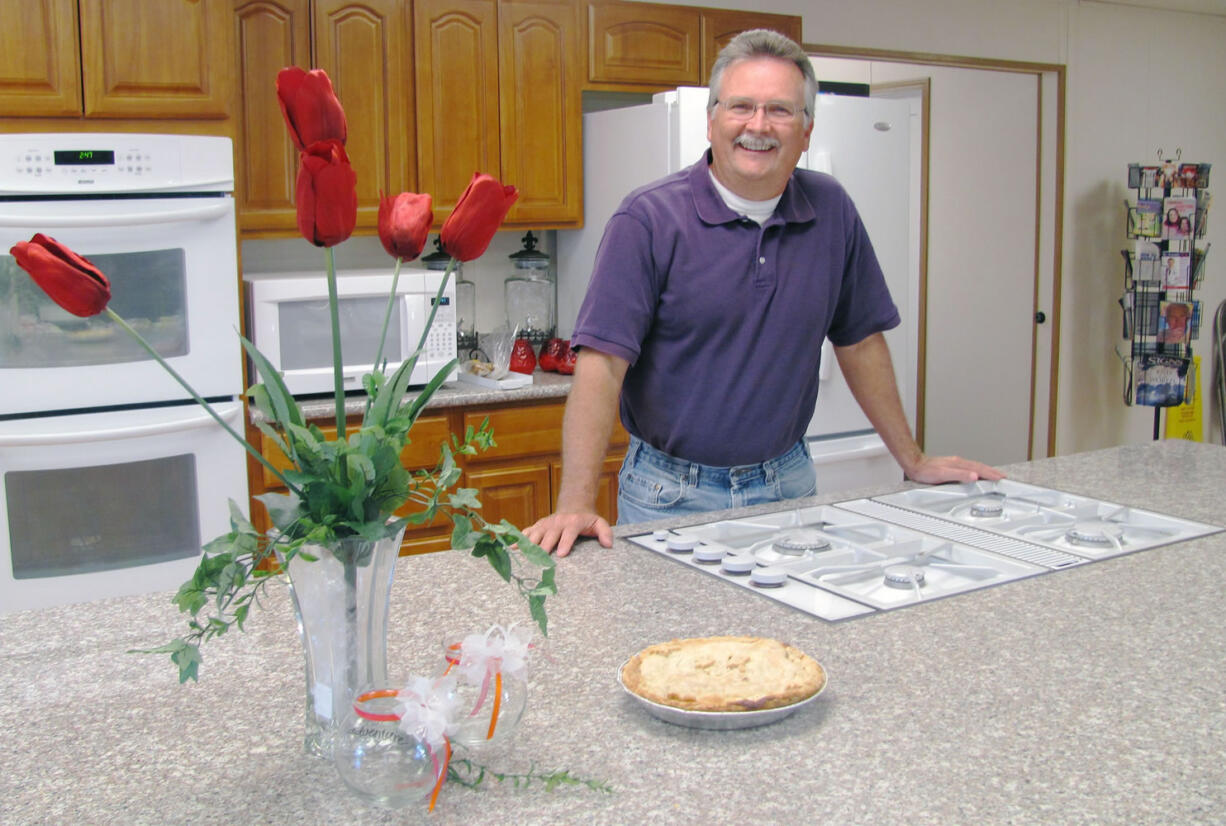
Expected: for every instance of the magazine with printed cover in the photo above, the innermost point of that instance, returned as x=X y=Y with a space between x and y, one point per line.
x=1178 y=213
x=1146 y=262
x=1202 y=175
x=1169 y=174
x=1173 y=322
x=1187 y=175
x=1149 y=176
x=1145 y=219
x=1160 y=380
x=1176 y=268
x=1198 y=265
x=1203 y=201
x=1134 y=176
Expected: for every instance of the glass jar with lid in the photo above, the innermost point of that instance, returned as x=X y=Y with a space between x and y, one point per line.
x=531 y=295
x=465 y=298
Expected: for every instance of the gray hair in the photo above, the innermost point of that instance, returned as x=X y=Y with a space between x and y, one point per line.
x=763 y=43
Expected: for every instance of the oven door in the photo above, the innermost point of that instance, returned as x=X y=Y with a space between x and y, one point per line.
x=109 y=504
x=173 y=268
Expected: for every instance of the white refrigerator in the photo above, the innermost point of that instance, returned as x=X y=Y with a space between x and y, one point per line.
x=868 y=145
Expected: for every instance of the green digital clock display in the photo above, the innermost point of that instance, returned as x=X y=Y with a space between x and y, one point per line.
x=84 y=157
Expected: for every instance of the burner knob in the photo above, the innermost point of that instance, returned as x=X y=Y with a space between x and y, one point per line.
x=768 y=577
x=737 y=565
x=682 y=543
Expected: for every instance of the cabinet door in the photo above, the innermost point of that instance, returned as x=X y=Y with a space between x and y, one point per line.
x=156 y=58
x=270 y=34
x=40 y=70
x=365 y=49
x=606 y=486
x=541 y=112
x=456 y=57
x=720 y=26
x=518 y=493
x=642 y=43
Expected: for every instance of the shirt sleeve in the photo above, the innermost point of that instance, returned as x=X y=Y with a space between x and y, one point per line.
x=620 y=305
x=864 y=305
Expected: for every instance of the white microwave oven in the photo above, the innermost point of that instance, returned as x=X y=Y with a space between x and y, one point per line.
x=288 y=320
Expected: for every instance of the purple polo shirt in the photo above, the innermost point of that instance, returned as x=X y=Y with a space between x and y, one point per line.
x=722 y=320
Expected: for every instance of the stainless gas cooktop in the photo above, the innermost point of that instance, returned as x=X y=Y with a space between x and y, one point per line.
x=866 y=555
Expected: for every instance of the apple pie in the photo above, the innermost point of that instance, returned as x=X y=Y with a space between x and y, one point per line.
x=723 y=674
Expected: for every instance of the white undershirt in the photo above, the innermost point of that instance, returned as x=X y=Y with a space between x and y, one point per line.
x=757 y=211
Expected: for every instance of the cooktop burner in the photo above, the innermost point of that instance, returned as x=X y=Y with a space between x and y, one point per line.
x=866 y=555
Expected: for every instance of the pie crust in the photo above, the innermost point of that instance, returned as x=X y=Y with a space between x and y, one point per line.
x=723 y=674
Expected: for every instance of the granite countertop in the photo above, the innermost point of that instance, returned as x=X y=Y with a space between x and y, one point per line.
x=452 y=394
x=1090 y=695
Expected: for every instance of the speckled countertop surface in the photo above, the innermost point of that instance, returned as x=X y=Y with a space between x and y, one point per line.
x=1092 y=695
x=452 y=394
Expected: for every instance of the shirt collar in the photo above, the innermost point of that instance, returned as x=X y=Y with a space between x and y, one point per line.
x=794 y=206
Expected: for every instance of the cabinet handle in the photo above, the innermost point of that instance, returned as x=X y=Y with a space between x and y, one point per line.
x=1040 y=317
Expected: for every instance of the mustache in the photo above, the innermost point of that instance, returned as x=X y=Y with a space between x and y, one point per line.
x=756 y=142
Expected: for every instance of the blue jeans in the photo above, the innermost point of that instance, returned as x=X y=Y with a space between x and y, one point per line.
x=654 y=485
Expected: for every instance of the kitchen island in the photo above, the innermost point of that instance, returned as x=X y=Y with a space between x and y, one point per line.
x=1088 y=695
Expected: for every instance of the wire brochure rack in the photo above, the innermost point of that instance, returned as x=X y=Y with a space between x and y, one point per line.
x=1164 y=265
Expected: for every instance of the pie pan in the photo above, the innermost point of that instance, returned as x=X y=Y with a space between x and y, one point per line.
x=720 y=720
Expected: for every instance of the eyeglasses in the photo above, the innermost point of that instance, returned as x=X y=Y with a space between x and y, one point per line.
x=777 y=111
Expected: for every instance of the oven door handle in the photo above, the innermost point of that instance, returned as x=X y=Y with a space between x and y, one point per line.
x=222 y=208
x=199 y=420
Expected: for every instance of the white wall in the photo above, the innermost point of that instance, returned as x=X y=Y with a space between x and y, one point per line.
x=1138 y=79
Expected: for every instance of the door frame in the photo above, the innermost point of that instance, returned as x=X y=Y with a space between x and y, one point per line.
x=1049 y=222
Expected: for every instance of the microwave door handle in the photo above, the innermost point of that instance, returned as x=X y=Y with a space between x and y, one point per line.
x=199 y=420
x=220 y=209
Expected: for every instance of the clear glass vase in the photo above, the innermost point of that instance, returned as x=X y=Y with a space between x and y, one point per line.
x=488 y=709
x=380 y=762
x=341 y=604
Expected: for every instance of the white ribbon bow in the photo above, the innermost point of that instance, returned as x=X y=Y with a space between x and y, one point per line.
x=499 y=649
x=427 y=709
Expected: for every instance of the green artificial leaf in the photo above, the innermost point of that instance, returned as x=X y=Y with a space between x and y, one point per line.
x=415 y=406
x=284 y=406
x=461 y=532
x=536 y=606
x=187 y=657
x=497 y=556
x=531 y=551
x=464 y=498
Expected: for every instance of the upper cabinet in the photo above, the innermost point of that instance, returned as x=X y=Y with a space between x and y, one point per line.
x=631 y=45
x=366 y=49
x=499 y=91
x=115 y=59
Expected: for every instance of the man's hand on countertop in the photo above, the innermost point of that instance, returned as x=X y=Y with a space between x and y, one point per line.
x=558 y=531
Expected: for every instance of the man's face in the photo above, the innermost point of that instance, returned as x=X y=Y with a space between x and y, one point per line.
x=755 y=157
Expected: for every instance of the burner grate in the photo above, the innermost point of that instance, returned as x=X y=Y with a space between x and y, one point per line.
x=1004 y=545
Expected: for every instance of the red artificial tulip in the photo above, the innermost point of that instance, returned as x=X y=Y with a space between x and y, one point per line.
x=470 y=227
x=327 y=196
x=311 y=109
x=523 y=359
x=404 y=224
x=70 y=280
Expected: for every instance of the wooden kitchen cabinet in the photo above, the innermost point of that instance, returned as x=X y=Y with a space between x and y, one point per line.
x=516 y=480
x=365 y=47
x=499 y=91
x=664 y=46
x=164 y=59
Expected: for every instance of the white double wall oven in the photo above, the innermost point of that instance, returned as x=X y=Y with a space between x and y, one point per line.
x=111 y=476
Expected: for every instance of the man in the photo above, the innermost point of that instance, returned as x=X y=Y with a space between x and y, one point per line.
x=710 y=297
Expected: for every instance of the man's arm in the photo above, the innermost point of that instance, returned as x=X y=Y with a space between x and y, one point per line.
x=586 y=428
x=870 y=374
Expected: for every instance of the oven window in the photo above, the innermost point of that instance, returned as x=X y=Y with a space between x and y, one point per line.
x=82 y=520
x=306 y=332
x=148 y=289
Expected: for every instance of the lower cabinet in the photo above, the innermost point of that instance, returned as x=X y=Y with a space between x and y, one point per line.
x=516 y=480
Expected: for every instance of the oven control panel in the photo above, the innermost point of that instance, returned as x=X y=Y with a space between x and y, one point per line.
x=69 y=164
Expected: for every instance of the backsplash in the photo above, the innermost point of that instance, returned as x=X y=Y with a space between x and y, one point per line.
x=365 y=252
